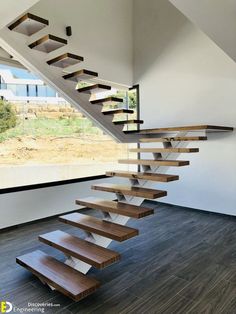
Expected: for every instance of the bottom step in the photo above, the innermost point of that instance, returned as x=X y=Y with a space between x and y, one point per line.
x=63 y=278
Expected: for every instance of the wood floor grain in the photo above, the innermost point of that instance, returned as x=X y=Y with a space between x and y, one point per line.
x=183 y=261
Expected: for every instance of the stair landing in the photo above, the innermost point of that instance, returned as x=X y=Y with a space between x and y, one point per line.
x=208 y=128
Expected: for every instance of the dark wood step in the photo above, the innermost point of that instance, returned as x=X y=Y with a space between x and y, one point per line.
x=93 y=89
x=131 y=131
x=63 y=278
x=173 y=139
x=211 y=128
x=81 y=75
x=133 y=121
x=107 y=100
x=129 y=190
x=158 y=162
x=85 y=251
x=164 y=150
x=101 y=227
x=117 y=111
x=65 y=60
x=115 y=207
x=48 y=43
x=159 y=177
x=28 y=24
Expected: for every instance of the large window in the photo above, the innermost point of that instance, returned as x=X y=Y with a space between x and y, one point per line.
x=50 y=140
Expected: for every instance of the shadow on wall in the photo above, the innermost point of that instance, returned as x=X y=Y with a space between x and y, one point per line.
x=155 y=46
x=184 y=77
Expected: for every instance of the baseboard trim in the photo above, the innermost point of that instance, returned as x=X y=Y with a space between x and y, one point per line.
x=49 y=184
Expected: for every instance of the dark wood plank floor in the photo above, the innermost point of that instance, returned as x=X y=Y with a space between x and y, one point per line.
x=184 y=261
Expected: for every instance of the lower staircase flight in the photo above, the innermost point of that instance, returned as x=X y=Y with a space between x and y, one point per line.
x=71 y=280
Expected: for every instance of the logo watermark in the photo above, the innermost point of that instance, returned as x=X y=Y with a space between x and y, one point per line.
x=5 y=307
x=8 y=307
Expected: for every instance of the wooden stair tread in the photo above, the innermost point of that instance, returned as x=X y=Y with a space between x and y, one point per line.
x=93 y=89
x=117 y=111
x=107 y=100
x=48 y=43
x=187 y=128
x=81 y=75
x=143 y=175
x=130 y=190
x=63 y=278
x=133 y=121
x=157 y=162
x=65 y=60
x=115 y=207
x=131 y=132
x=28 y=24
x=83 y=250
x=101 y=227
x=173 y=139
x=164 y=150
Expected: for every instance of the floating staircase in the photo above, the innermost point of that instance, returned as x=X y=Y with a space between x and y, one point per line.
x=88 y=95
x=70 y=277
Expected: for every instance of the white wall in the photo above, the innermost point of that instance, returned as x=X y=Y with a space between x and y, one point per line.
x=41 y=173
x=186 y=79
x=102 y=33
x=10 y=9
x=215 y=17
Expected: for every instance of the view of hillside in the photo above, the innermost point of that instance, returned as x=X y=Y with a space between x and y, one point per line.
x=43 y=138
x=55 y=134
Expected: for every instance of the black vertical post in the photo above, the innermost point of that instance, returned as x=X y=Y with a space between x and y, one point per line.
x=27 y=90
x=138 y=117
x=136 y=87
